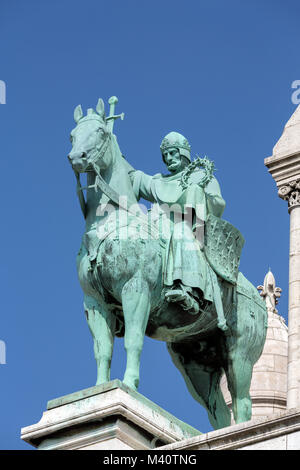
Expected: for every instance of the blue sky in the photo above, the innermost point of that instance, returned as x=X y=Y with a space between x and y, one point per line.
x=218 y=72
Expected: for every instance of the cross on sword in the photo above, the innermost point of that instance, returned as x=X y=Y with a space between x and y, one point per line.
x=113 y=100
x=112 y=116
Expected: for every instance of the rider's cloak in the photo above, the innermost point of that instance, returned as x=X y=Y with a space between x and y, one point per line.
x=183 y=210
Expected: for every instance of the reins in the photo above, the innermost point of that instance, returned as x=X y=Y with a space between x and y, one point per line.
x=108 y=191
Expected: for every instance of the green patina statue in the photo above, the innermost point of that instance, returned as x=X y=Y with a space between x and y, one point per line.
x=170 y=273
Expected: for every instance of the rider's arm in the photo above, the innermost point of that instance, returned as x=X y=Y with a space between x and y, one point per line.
x=215 y=202
x=142 y=185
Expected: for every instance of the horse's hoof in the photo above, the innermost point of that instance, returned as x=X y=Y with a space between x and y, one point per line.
x=131 y=383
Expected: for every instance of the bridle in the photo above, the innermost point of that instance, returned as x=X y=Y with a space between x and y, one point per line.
x=96 y=155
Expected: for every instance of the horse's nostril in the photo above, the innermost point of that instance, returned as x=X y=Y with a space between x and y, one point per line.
x=77 y=157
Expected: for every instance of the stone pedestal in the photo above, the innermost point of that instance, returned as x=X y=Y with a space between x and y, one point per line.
x=105 y=417
x=280 y=432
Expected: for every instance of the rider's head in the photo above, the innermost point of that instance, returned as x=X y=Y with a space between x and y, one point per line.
x=176 y=152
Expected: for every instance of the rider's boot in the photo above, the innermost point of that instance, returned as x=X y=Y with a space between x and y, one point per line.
x=182 y=295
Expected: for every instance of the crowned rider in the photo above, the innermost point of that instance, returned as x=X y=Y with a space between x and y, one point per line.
x=187 y=275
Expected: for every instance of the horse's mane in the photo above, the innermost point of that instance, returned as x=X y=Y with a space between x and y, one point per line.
x=119 y=154
x=123 y=168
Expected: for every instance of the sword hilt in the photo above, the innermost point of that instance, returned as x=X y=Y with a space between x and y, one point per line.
x=112 y=116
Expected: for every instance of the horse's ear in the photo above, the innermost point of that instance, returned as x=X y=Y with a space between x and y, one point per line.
x=78 y=113
x=100 y=108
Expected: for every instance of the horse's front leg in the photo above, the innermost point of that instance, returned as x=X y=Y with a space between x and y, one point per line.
x=102 y=326
x=136 y=308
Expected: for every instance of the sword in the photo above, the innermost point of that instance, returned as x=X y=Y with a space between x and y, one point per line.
x=112 y=116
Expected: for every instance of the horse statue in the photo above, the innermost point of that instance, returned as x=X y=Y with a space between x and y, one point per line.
x=120 y=266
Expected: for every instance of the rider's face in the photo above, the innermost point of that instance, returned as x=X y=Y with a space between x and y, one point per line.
x=173 y=160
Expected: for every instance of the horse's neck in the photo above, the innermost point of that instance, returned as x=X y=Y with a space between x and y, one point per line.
x=116 y=177
x=116 y=174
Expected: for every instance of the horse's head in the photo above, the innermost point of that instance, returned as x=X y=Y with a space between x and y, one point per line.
x=90 y=139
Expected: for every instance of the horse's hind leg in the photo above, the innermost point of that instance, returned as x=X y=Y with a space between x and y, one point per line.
x=239 y=374
x=203 y=382
x=102 y=326
x=136 y=308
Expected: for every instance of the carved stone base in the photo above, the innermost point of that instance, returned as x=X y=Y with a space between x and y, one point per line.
x=278 y=432
x=108 y=417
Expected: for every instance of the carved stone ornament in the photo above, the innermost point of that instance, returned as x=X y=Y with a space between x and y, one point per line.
x=291 y=193
x=270 y=293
